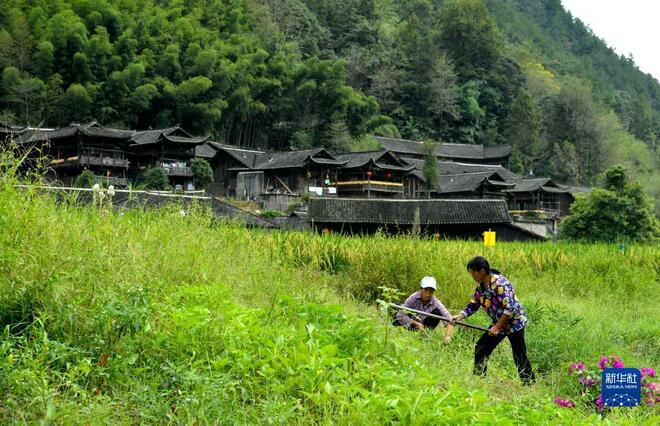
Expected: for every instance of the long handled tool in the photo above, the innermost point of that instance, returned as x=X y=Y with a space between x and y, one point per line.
x=464 y=324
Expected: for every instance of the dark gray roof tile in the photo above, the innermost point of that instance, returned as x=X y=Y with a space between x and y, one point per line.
x=294 y=159
x=402 y=212
x=445 y=150
x=204 y=151
x=529 y=185
x=464 y=182
x=383 y=159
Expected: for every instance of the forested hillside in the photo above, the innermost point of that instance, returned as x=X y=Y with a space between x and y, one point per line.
x=298 y=73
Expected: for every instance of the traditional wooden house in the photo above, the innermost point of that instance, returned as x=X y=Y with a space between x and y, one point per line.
x=542 y=196
x=227 y=161
x=372 y=174
x=279 y=178
x=8 y=131
x=466 y=153
x=82 y=147
x=171 y=149
x=299 y=172
x=447 y=218
x=461 y=180
x=489 y=184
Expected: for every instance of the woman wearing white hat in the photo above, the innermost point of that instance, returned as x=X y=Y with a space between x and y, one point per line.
x=424 y=300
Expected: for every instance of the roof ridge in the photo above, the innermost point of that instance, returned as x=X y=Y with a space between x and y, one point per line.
x=418 y=200
x=399 y=139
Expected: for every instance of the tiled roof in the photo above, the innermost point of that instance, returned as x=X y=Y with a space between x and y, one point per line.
x=186 y=140
x=468 y=182
x=401 y=146
x=152 y=136
x=451 y=167
x=31 y=136
x=446 y=150
x=106 y=132
x=246 y=157
x=89 y=129
x=295 y=159
x=205 y=151
x=64 y=132
x=402 y=212
x=497 y=151
x=379 y=159
x=455 y=150
x=529 y=185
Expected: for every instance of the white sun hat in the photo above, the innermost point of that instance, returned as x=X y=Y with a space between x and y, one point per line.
x=428 y=282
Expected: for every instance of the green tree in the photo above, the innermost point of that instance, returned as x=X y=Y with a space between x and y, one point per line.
x=80 y=68
x=642 y=120
x=44 y=60
x=619 y=212
x=85 y=180
x=471 y=36
x=156 y=178
x=54 y=112
x=24 y=95
x=561 y=163
x=77 y=102
x=523 y=131
x=572 y=118
x=202 y=173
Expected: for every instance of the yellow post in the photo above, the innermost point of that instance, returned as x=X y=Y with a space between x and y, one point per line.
x=489 y=238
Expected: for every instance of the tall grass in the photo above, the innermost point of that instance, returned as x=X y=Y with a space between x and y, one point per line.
x=146 y=316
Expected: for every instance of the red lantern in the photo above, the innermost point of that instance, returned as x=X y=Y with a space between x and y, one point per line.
x=369 y=173
x=389 y=175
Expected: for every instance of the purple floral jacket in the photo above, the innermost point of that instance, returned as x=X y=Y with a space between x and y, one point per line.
x=498 y=298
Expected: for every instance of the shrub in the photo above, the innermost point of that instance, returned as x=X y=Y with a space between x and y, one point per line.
x=156 y=178
x=620 y=211
x=202 y=173
x=85 y=180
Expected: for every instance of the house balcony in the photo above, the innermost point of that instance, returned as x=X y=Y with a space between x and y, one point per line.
x=87 y=160
x=370 y=185
x=177 y=171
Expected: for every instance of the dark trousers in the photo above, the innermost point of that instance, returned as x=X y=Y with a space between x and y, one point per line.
x=428 y=322
x=487 y=343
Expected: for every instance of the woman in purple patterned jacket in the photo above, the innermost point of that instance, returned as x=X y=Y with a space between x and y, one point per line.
x=496 y=295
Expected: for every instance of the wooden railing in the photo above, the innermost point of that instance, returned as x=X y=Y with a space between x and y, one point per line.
x=369 y=182
x=368 y=186
x=90 y=160
x=178 y=171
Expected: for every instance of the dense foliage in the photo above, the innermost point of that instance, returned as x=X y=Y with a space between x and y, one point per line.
x=85 y=180
x=301 y=73
x=202 y=173
x=620 y=211
x=156 y=178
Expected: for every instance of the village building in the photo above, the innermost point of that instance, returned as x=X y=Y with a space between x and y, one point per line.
x=171 y=149
x=278 y=180
x=227 y=161
x=446 y=218
x=80 y=147
x=542 y=196
x=467 y=153
x=372 y=174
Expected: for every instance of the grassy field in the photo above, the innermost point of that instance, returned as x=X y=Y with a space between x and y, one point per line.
x=156 y=317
